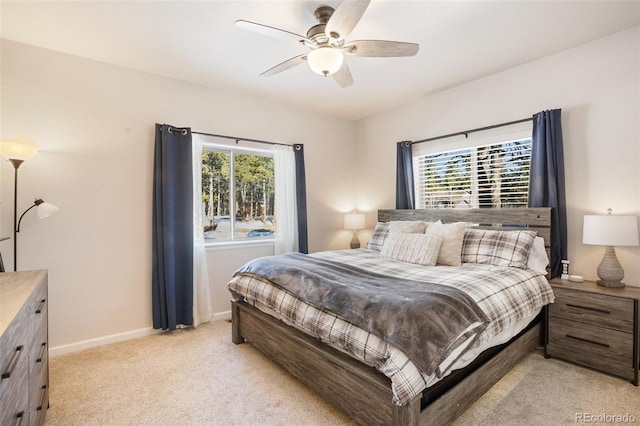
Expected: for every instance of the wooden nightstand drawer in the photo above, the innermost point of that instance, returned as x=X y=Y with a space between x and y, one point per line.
x=596 y=327
x=611 y=312
x=602 y=346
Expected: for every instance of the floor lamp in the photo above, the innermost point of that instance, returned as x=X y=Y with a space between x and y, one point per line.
x=17 y=153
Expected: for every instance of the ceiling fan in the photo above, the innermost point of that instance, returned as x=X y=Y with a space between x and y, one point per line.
x=327 y=42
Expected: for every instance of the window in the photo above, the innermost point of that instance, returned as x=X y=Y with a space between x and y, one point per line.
x=237 y=194
x=482 y=175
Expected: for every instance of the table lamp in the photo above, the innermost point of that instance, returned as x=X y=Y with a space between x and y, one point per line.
x=610 y=230
x=353 y=222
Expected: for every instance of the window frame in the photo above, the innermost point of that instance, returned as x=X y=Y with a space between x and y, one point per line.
x=234 y=149
x=521 y=131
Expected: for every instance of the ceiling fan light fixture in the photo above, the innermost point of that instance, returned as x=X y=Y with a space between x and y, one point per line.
x=325 y=60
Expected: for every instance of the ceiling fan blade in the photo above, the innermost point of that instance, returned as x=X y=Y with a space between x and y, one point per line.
x=283 y=66
x=272 y=32
x=380 y=48
x=345 y=18
x=343 y=76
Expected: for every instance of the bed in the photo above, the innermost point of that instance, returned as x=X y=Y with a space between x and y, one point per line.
x=383 y=382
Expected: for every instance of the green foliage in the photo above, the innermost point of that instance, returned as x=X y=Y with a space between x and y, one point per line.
x=254 y=185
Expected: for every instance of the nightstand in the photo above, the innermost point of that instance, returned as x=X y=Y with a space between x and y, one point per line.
x=595 y=327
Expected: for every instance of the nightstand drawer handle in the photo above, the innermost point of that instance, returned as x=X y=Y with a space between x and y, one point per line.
x=13 y=362
x=587 y=340
x=589 y=308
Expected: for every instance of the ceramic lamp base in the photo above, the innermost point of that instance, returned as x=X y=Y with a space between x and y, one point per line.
x=355 y=242
x=610 y=271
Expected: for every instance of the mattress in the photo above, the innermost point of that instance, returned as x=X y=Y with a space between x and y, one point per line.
x=510 y=297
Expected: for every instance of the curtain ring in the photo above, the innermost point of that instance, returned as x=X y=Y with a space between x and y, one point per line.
x=183 y=132
x=298 y=147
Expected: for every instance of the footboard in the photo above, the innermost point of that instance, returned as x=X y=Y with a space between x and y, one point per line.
x=361 y=391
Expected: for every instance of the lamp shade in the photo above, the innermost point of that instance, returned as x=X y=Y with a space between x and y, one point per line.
x=354 y=221
x=17 y=151
x=45 y=210
x=610 y=230
x=325 y=60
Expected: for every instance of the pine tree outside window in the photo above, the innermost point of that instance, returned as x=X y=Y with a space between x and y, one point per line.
x=486 y=172
x=238 y=194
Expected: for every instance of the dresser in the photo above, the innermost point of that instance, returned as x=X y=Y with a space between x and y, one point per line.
x=596 y=327
x=24 y=360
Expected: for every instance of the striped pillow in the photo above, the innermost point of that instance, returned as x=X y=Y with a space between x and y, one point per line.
x=499 y=248
x=420 y=249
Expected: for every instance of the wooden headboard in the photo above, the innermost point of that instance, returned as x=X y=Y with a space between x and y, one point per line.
x=534 y=218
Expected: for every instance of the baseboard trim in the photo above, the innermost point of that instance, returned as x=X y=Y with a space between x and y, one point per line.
x=114 y=338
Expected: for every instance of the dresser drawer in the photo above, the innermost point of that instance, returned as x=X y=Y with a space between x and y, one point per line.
x=39 y=395
x=40 y=345
x=14 y=399
x=37 y=416
x=11 y=339
x=601 y=310
x=599 y=348
x=38 y=309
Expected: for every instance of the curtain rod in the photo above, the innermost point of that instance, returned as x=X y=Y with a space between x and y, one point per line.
x=237 y=139
x=479 y=129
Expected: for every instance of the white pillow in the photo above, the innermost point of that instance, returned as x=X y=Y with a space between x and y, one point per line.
x=538 y=259
x=452 y=236
x=421 y=249
x=407 y=226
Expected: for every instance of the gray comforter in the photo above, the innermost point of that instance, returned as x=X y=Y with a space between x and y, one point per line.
x=426 y=321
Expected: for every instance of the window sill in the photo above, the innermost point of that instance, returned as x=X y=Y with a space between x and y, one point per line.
x=239 y=244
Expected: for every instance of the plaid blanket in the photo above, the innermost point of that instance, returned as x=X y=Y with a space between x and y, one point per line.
x=506 y=296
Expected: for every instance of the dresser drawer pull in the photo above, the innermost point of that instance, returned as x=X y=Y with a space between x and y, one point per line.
x=39 y=308
x=19 y=417
x=13 y=362
x=42 y=398
x=588 y=308
x=587 y=340
x=43 y=347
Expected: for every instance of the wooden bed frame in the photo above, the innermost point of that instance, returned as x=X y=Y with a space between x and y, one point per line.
x=361 y=391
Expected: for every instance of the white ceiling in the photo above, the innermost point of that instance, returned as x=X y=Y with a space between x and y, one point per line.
x=197 y=41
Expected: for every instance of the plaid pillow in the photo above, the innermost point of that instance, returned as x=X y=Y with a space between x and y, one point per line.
x=380 y=233
x=499 y=248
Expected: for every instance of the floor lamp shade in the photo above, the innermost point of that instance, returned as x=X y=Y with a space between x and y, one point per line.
x=17 y=151
x=43 y=210
x=610 y=231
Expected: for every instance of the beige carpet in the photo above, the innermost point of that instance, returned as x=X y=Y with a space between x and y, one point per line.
x=198 y=377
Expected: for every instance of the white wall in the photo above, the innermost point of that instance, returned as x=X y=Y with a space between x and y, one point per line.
x=597 y=86
x=94 y=125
